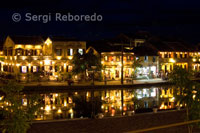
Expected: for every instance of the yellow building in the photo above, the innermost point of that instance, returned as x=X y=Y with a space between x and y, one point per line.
x=170 y=59
x=195 y=57
x=26 y=55
x=112 y=64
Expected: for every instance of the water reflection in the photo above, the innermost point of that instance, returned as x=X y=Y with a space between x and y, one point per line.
x=117 y=102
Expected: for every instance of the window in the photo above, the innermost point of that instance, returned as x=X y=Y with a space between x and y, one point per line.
x=47 y=68
x=10 y=52
x=181 y=55
x=24 y=69
x=114 y=58
x=38 y=52
x=80 y=51
x=105 y=58
x=18 y=52
x=118 y=58
x=34 y=69
x=145 y=58
x=110 y=58
x=175 y=55
x=125 y=58
x=70 y=52
x=58 y=52
x=154 y=59
x=5 y=52
x=29 y=52
x=185 y=55
x=132 y=58
x=69 y=68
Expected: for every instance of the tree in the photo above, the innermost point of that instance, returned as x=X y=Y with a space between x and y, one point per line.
x=37 y=76
x=187 y=92
x=135 y=66
x=85 y=62
x=16 y=117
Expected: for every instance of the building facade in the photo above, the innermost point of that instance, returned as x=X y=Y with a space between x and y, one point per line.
x=112 y=64
x=26 y=55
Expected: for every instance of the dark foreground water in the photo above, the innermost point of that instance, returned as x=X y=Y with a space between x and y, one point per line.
x=72 y=104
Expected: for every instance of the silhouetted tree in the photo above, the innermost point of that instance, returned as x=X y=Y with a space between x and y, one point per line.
x=16 y=117
x=186 y=92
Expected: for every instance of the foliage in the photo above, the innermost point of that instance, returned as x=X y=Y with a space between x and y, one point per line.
x=187 y=92
x=135 y=66
x=37 y=75
x=180 y=77
x=16 y=117
x=85 y=62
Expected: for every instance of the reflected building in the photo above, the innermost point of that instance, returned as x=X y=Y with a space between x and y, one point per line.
x=116 y=102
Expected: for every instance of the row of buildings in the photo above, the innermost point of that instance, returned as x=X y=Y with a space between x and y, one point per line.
x=23 y=55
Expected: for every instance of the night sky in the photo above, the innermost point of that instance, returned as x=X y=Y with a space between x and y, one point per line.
x=177 y=18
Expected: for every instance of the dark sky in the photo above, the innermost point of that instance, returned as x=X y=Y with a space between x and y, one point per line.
x=176 y=18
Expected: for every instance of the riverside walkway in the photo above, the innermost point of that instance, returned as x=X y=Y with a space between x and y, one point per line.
x=89 y=83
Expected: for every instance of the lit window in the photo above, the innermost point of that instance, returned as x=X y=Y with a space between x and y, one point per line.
x=70 y=52
x=110 y=58
x=69 y=68
x=24 y=69
x=80 y=51
x=105 y=58
x=114 y=58
x=145 y=58
x=118 y=58
x=47 y=62
x=125 y=58
x=34 y=68
x=154 y=59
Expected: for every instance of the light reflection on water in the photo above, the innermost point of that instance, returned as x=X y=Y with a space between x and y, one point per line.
x=70 y=105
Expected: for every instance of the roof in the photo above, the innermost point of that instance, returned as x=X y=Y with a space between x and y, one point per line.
x=27 y=39
x=145 y=51
x=106 y=46
x=62 y=39
x=171 y=45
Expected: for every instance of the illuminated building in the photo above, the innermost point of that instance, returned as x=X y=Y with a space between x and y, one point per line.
x=112 y=64
x=25 y=55
x=149 y=61
x=111 y=58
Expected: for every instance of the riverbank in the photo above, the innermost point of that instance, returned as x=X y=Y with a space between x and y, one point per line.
x=115 y=124
x=63 y=86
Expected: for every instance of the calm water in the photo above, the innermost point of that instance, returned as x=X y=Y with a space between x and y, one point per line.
x=78 y=104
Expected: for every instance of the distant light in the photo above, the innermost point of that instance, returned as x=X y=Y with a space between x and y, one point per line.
x=194 y=60
x=59 y=111
x=172 y=60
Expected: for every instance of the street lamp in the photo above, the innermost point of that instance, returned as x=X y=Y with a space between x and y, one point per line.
x=93 y=67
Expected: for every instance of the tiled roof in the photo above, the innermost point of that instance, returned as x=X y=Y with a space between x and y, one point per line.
x=145 y=51
x=62 y=38
x=27 y=39
x=107 y=46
